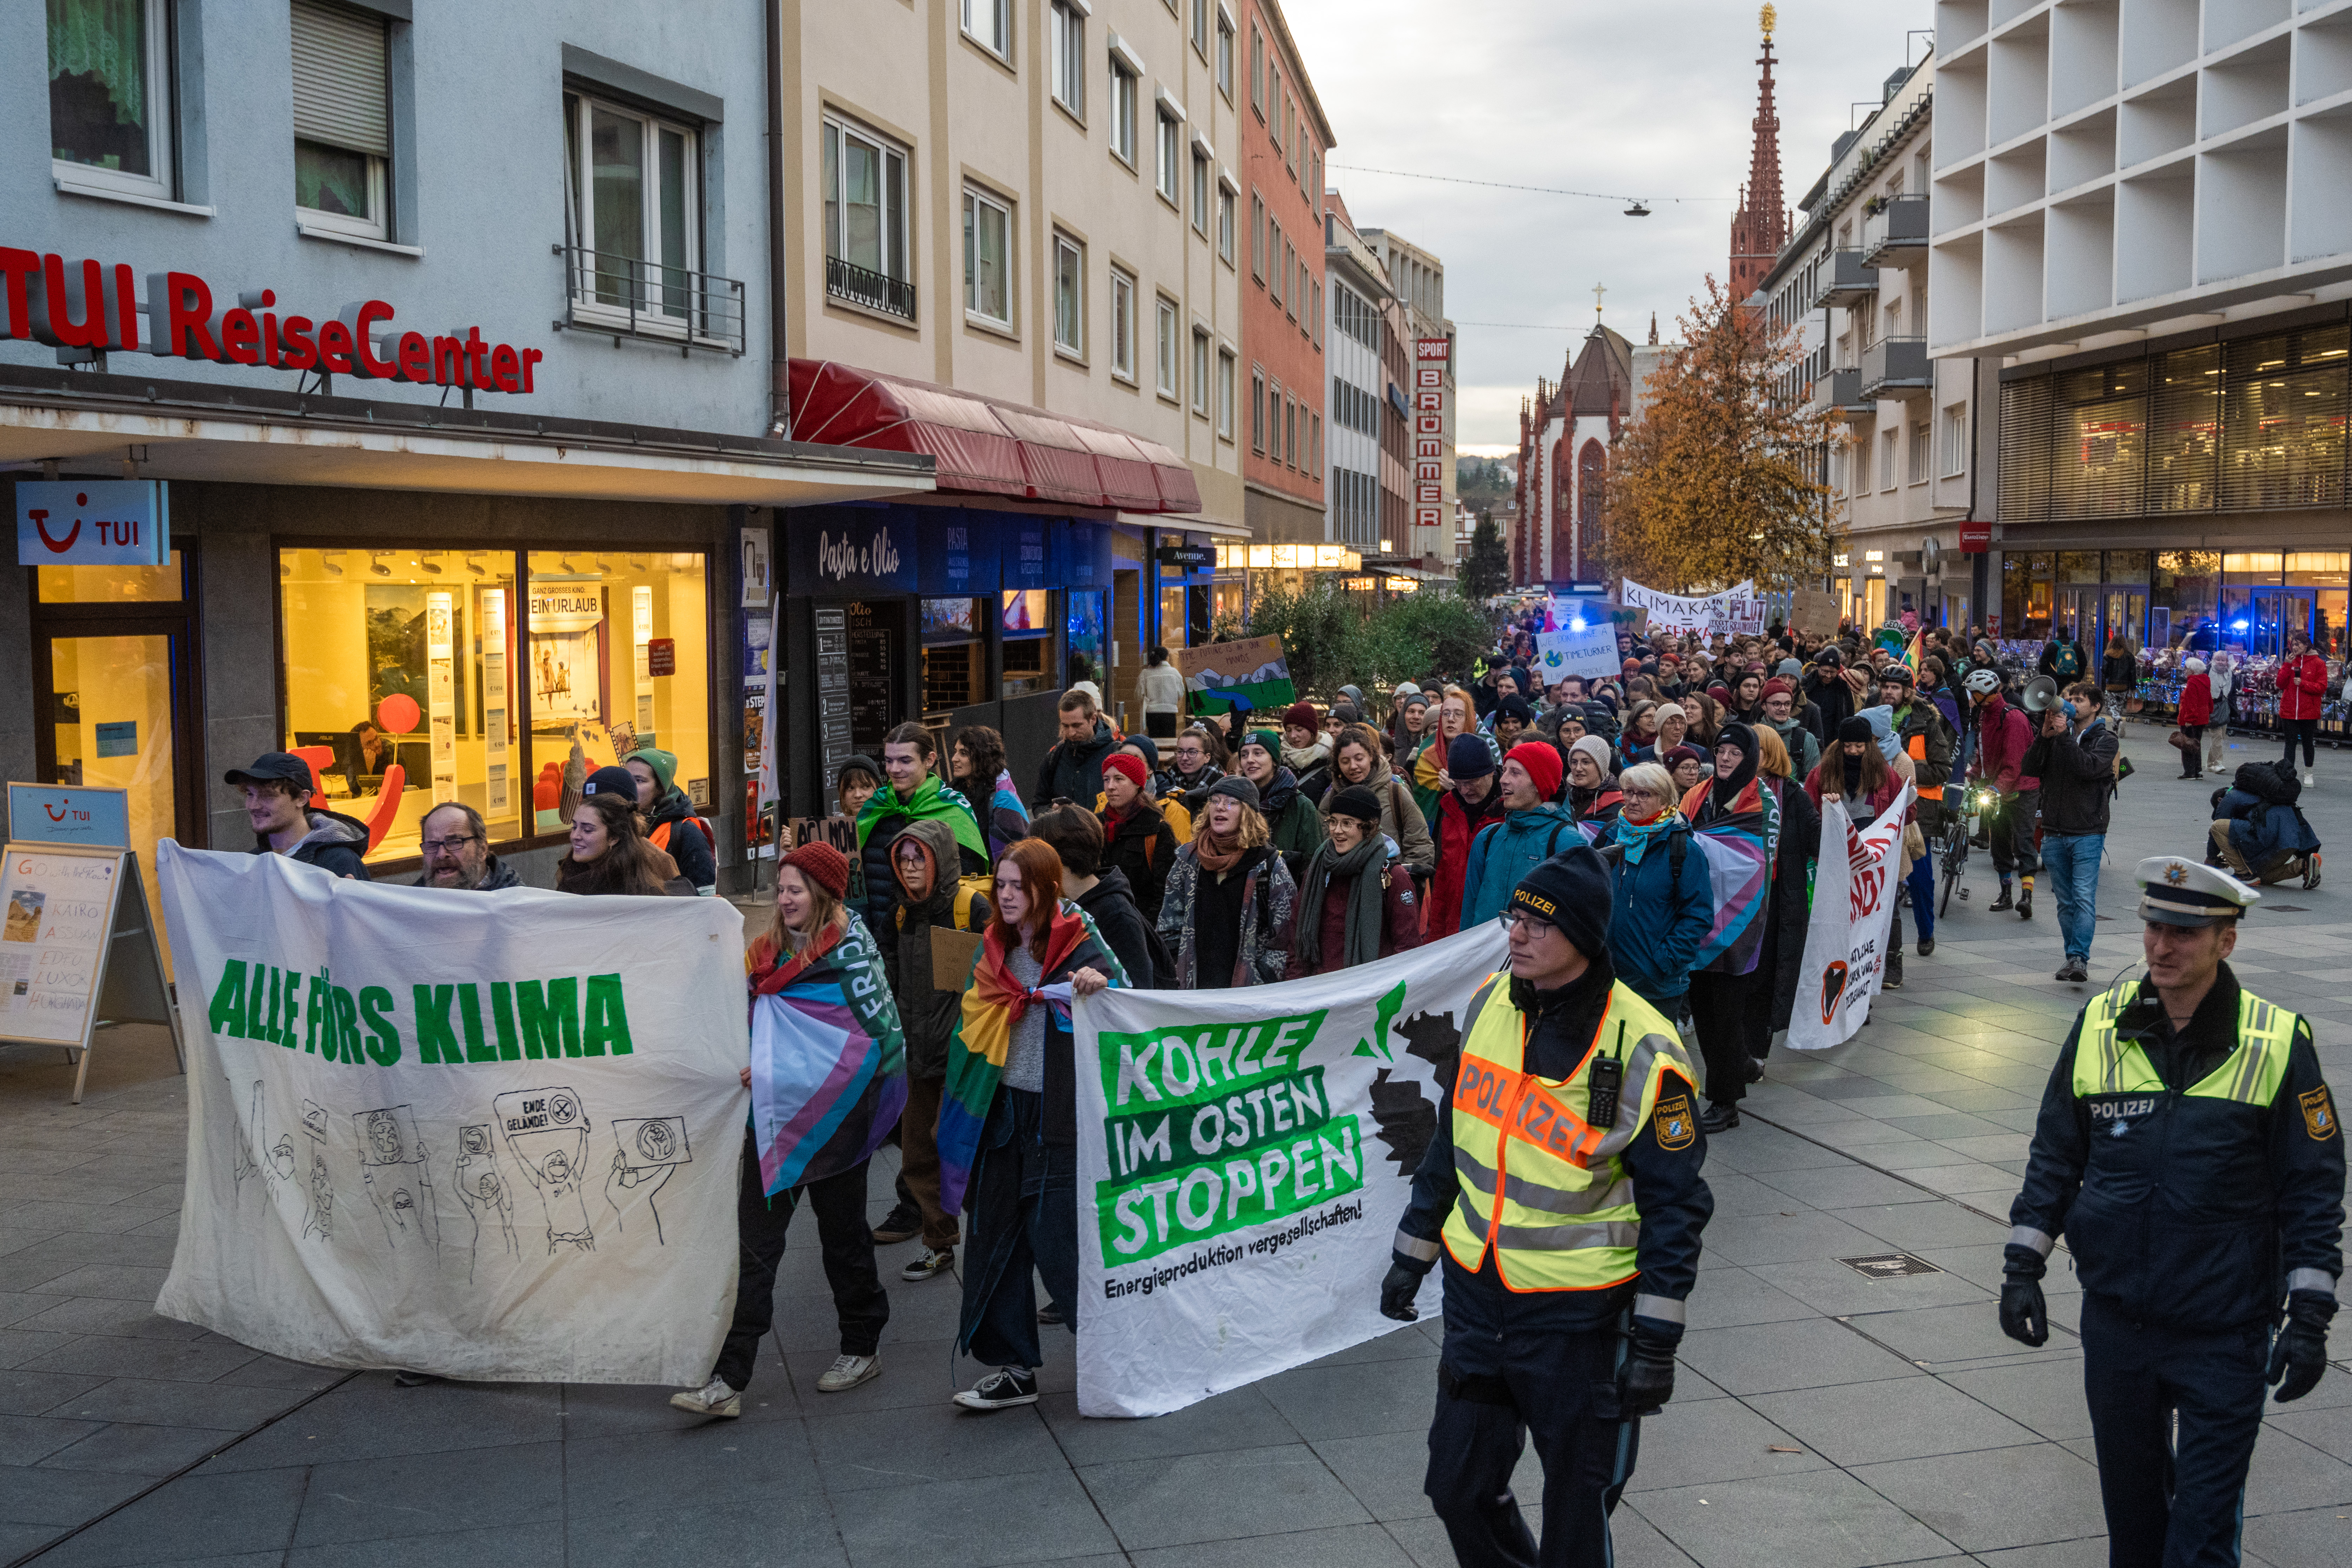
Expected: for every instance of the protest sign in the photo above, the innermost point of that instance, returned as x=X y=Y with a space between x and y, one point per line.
x=1737 y=611
x=1592 y=652
x=487 y=1135
x=1845 y=946
x=1241 y=676
x=1244 y=1156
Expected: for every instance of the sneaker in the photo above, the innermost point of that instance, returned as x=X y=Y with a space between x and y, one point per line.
x=847 y=1372
x=2309 y=779
x=2007 y=901
x=2075 y=970
x=934 y=1261
x=2025 y=904
x=901 y=1224
x=713 y=1398
x=1926 y=945
x=1718 y=1118
x=1001 y=1390
x=1894 y=980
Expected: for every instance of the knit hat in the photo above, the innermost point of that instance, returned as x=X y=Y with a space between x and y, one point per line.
x=829 y=867
x=1129 y=768
x=1632 y=667
x=1592 y=746
x=1468 y=757
x=1686 y=752
x=1355 y=801
x=1518 y=707
x=1265 y=739
x=1541 y=760
x=1415 y=699
x=1853 y=727
x=857 y=762
x=1147 y=746
x=664 y=766
x=1346 y=712
x=1353 y=694
x=1788 y=667
x=1304 y=714
x=1720 y=692
x=1234 y=784
x=1406 y=688
x=1669 y=711
x=1571 y=891
x=1776 y=686
x=612 y=780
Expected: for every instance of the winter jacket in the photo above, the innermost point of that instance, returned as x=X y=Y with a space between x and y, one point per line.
x=879 y=886
x=1161 y=688
x=2302 y=686
x=1142 y=845
x=1833 y=701
x=2120 y=667
x=928 y=1015
x=2063 y=661
x=671 y=824
x=1659 y=913
x=1458 y=822
x=1293 y=824
x=1401 y=815
x=1110 y=903
x=1400 y=918
x=2004 y=736
x=1600 y=803
x=1889 y=787
x=1267 y=897
x=496 y=875
x=1072 y=769
x=335 y=843
x=2262 y=829
x=1506 y=851
x=1804 y=747
x=2078 y=777
x=1929 y=745
x=2197 y=701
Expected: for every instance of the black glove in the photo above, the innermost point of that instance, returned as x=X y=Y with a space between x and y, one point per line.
x=2024 y=1316
x=2299 y=1355
x=1397 y=1291
x=1646 y=1381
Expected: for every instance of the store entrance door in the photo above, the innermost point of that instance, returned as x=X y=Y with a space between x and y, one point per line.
x=2279 y=611
x=2127 y=611
x=2078 y=615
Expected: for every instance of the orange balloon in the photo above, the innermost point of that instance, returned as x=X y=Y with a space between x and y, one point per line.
x=397 y=714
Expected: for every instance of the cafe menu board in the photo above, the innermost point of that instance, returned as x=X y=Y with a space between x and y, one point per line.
x=59 y=906
x=831 y=695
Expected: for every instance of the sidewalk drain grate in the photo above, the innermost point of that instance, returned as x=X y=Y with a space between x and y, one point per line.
x=1889 y=1266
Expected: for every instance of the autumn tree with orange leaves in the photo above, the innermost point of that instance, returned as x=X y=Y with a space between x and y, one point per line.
x=1721 y=479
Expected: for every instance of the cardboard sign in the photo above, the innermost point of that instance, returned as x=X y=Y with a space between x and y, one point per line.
x=952 y=952
x=1591 y=653
x=841 y=832
x=1811 y=610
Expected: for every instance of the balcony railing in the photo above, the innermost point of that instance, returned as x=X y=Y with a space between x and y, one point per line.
x=1896 y=367
x=1897 y=234
x=863 y=286
x=1839 y=394
x=1844 y=280
x=630 y=297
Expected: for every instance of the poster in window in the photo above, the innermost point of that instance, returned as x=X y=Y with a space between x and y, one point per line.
x=493 y=620
x=567 y=652
x=395 y=645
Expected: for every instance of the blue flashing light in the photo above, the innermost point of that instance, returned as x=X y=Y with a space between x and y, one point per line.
x=1576 y=625
x=2237 y=626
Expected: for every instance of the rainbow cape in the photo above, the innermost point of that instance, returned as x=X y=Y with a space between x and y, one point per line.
x=828 y=1059
x=983 y=1034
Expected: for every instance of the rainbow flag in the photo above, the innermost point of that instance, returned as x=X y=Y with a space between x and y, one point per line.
x=1912 y=654
x=828 y=1063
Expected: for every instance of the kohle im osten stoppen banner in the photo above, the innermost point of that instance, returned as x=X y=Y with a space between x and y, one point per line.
x=1244 y=1157
x=486 y=1136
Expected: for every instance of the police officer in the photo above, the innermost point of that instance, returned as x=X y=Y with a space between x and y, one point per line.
x=2189 y=1152
x=1562 y=1191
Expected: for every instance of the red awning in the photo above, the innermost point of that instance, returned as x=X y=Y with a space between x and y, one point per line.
x=986 y=445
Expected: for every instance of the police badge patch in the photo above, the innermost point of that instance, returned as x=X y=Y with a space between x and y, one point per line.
x=1674 y=1123
x=2318 y=1115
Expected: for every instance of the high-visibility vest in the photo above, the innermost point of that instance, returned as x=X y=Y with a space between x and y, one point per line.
x=2250 y=1075
x=1539 y=1183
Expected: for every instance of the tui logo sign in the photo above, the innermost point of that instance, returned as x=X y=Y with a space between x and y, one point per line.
x=93 y=522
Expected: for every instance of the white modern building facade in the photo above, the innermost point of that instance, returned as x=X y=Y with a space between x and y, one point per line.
x=1356 y=289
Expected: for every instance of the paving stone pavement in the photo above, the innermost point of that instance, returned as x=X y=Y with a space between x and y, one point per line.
x=1823 y=1419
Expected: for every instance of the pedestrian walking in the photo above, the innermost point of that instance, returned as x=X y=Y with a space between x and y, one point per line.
x=1790 y=912
x=2301 y=691
x=2196 y=711
x=2075 y=758
x=1723 y=989
x=1357 y=760
x=1471 y=801
x=1565 y=1284
x=1533 y=829
x=1356 y=902
x=1293 y=824
x=2222 y=675
x=1160 y=689
x=1072 y=769
x=1225 y=918
x=2004 y=734
x=1661 y=904
x=2189 y=1152
x=911 y=793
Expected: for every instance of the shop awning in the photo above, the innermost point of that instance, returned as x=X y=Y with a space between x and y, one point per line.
x=986 y=445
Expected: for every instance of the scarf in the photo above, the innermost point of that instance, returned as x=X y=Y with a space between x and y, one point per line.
x=828 y=1057
x=931 y=802
x=992 y=1004
x=1216 y=854
x=1362 y=938
x=1637 y=837
x=1199 y=779
x=1304 y=760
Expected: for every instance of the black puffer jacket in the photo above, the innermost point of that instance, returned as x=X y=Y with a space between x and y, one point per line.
x=1111 y=904
x=1073 y=769
x=1143 y=845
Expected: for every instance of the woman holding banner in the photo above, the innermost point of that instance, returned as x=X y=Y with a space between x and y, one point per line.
x=610 y=852
x=821 y=1005
x=1009 y=1125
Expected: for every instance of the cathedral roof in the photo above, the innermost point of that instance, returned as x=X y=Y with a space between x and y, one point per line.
x=1603 y=365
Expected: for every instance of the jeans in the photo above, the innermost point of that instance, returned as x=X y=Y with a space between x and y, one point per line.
x=760 y=1222
x=2073 y=862
x=1922 y=883
x=1022 y=1206
x=2299 y=730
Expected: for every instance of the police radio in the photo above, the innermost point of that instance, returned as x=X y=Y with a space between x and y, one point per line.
x=1602 y=1082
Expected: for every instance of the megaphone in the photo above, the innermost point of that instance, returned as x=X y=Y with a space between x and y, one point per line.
x=2038 y=694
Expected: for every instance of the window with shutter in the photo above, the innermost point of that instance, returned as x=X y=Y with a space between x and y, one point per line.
x=343 y=120
x=2185 y=431
x=2025 y=410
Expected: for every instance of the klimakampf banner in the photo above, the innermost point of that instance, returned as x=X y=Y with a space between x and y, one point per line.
x=487 y=1135
x=1244 y=1157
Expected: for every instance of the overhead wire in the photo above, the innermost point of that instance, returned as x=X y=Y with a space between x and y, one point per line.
x=1504 y=185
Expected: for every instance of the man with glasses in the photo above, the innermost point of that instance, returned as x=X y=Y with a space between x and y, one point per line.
x=1565 y=1283
x=457 y=849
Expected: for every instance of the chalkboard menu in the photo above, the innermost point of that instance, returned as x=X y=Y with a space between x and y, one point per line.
x=832 y=664
x=873 y=674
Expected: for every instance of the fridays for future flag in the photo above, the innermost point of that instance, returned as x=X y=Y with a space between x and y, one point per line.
x=1244 y=1156
x=487 y=1135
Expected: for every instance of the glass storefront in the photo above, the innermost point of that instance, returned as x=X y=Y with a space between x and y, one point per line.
x=955 y=659
x=1086 y=639
x=415 y=676
x=1028 y=626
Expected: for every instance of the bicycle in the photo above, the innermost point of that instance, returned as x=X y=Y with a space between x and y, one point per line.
x=1978 y=802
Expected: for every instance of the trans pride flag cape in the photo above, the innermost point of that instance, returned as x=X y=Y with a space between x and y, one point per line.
x=993 y=1004
x=1741 y=846
x=828 y=1059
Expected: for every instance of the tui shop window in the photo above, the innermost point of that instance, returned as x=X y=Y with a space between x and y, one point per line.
x=481 y=675
x=955 y=657
x=1027 y=617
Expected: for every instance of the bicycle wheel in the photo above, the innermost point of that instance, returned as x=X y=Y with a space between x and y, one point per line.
x=1954 y=858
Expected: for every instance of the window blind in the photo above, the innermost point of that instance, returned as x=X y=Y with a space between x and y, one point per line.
x=339 y=97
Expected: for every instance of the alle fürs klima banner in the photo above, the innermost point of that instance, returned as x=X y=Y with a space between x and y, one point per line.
x=1244 y=1157
x=486 y=1136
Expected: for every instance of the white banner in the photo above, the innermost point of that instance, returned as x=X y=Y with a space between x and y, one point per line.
x=1592 y=652
x=1737 y=611
x=486 y=1136
x=1244 y=1158
x=1845 y=945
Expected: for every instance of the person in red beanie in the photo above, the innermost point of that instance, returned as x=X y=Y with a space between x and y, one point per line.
x=1533 y=829
x=829 y=866
x=1307 y=750
x=1137 y=838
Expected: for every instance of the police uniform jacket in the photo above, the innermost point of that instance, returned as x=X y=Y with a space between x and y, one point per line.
x=1672 y=1198
x=2197 y=1198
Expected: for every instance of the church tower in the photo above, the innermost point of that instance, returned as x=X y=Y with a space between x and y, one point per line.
x=1760 y=227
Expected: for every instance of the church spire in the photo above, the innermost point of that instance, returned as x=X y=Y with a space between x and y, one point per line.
x=1760 y=227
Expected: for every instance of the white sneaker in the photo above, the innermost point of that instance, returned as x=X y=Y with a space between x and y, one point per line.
x=2307 y=779
x=847 y=1372
x=713 y=1398
x=933 y=1261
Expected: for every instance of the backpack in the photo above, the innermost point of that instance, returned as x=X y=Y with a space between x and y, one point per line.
x=2065 y=662
x=659 y=836
x=969 y=891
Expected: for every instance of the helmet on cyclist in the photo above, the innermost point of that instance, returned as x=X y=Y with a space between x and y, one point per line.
x=1984 y=682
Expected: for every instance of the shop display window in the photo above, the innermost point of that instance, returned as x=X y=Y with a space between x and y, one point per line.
x=2026 y=593
x=433 y=663
x=112 y=584
x=955 y=661
x=1027 y=617
x=1084 y=613
x=1172 y=618
x=2183 y=594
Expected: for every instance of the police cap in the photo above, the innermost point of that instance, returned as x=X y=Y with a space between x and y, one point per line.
x=2175 y=891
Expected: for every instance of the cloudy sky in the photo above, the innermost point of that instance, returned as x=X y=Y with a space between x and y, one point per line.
x=1651 y=99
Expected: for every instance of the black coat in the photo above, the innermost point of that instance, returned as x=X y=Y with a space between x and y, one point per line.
x=1073 y=769
x=1784 y=938
x=1143 y=845
x=2078 y=778
x=1111 y=904
x=684 y=842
